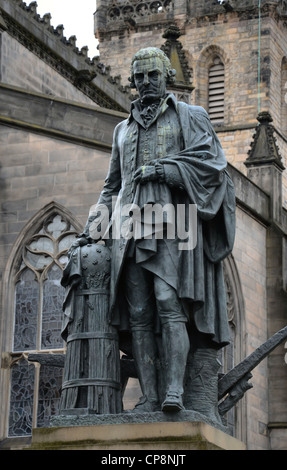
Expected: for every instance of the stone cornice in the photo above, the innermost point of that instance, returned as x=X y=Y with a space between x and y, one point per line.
x=58 y=118
x=50 y=45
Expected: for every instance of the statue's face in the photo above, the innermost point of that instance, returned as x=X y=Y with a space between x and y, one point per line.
x=150 y=80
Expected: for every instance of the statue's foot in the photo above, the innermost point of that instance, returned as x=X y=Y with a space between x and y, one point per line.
x=146 y=406
x=172 y=402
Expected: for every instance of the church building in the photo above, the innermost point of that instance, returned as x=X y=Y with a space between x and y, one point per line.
x=58 y=111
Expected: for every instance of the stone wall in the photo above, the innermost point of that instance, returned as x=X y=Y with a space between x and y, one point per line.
x=277 y=319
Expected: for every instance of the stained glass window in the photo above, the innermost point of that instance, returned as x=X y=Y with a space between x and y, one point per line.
x=35 y=389
x=26 y=312
x=21 y=399
x=53 y=296
x=49 y=394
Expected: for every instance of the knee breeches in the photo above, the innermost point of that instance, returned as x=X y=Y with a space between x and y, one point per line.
x=148 y=295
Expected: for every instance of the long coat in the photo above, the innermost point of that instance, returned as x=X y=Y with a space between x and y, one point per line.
x=202 y=166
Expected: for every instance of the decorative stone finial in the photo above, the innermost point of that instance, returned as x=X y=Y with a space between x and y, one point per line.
x=264 y=117
x=172 y=32
x=173 y=49
x=264 y=148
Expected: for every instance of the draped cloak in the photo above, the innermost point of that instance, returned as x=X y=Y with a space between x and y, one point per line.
x=197 y=273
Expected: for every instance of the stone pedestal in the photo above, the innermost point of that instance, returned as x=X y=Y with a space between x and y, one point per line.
x=151 y=436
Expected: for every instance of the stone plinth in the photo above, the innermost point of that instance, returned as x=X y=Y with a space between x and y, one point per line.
x=153 y=436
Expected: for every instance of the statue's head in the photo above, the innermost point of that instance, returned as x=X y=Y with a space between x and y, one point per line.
x=151 y=73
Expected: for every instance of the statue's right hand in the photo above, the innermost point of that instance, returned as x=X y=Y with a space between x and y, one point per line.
x=82 y=240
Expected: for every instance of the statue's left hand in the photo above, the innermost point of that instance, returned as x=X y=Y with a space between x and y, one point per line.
x=145 y=173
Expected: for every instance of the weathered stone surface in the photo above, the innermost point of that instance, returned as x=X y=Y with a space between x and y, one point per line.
x=133 y=436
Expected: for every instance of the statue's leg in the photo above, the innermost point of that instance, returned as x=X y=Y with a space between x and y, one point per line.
x=145 y=355
x=175 y=344
x=140 y=300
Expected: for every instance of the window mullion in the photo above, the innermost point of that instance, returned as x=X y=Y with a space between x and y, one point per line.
x=36 y=394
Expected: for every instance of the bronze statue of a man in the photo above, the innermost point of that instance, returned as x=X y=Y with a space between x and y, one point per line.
x=167 y=154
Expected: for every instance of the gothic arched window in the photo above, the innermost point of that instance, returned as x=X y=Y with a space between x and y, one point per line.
x=216 y=87
x=35 y=389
